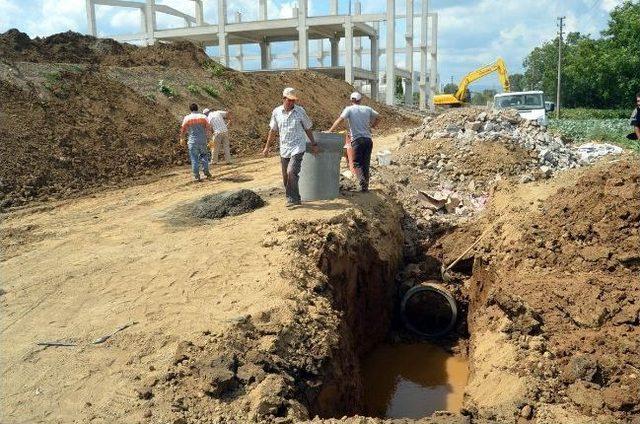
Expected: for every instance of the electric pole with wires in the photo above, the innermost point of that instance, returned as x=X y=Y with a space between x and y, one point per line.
x=561 y=25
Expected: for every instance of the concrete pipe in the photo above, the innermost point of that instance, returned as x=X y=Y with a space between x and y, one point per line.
x=320 y=174
x=429 y=310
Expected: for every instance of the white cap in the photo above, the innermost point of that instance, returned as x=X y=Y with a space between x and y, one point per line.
x=356 y=96
x=205 y=111
x=290 y=93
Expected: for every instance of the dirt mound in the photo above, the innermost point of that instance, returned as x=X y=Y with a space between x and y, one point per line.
x=71 y=47
x=556 y=282
x=83 y=131
x=216 y=206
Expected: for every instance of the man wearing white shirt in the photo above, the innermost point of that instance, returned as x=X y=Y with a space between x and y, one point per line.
x=293 y=125
x=217 y=122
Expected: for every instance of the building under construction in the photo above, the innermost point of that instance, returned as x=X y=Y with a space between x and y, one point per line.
x=303 y=29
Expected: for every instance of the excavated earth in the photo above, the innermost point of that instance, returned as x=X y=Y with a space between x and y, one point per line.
x=80 y=113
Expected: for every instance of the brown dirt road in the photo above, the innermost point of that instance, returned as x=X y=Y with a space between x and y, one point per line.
x=75 y=271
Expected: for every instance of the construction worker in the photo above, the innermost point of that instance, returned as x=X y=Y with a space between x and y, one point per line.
x=220 y=140
x=361 y=119
x=197 y=129
x=635 y=120
x=291 y=123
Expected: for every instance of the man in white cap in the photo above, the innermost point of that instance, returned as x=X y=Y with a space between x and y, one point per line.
x=220 y=139
x=291 y=123
x=360 y=119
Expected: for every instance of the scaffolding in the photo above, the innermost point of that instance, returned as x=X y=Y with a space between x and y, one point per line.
x=301 y=29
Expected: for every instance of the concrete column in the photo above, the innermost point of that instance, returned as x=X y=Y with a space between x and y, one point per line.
x=357 y=42
x=374 y=64
x=390 y=49
x=150 y=15
x=335 y=50
x=262 y=12
x=424 y=30
x=296 y=48
x=433 y=78
x=91 y=18
x=320 y=55
x=265 y=63
x=143 y=20
x=222 y=32
x=333 y=7
x=303 y=35
x=240 y=56
x=408 y=35
x=348 y=53
x=199 y=13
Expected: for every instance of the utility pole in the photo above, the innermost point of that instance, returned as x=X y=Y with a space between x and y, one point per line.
x=561 y=25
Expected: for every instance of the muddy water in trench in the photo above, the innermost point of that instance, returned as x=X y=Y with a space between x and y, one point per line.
x=412 y=380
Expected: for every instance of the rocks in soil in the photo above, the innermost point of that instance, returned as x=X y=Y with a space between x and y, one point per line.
x=230 y=203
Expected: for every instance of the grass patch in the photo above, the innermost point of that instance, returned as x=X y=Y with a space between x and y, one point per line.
x=211 y=90
x=214 y=68
x=166 y=89
x=584 y=114
x=612 y=131
x=193 y=89
x=228 y=85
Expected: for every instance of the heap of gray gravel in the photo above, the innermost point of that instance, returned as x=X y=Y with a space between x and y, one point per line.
x=228 y=203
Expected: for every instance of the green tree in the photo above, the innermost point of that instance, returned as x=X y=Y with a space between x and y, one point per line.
x=517 y=82
x=450 y=88
x=602 y=72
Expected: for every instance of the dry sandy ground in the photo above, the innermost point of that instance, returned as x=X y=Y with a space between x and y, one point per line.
x=76 y=271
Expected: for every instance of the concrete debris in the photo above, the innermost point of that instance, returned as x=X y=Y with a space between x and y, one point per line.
x=504 y=126
x=591 y=151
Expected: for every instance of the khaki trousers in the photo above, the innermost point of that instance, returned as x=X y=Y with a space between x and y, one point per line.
x=221 y=141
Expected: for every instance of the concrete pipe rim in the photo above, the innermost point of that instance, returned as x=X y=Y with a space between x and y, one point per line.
x=435 y=288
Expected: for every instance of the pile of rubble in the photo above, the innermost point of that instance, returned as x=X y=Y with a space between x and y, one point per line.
x=505 y=126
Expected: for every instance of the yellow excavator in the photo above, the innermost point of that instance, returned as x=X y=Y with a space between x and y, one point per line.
x=458 y=99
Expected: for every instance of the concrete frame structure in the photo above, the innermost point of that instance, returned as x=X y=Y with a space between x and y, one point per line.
x=300 y=29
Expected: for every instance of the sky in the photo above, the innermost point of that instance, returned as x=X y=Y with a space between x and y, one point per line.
x=471 y=33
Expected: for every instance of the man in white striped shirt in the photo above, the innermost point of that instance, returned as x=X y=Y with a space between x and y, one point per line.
x=293 y=125
x=216 y=119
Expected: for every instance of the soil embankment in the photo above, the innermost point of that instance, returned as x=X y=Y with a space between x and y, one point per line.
x=81 y=113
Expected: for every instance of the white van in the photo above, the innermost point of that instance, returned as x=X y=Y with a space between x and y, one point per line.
x=529 y=104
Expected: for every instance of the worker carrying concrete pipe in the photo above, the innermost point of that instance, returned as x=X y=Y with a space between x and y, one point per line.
x=291 y=123
x=360 y=119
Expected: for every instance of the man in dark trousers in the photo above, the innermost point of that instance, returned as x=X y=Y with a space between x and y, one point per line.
x=292 y=124
x=635 y=120
x=360 y=119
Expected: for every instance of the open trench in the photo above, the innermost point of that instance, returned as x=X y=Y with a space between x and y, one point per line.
x=383 y=369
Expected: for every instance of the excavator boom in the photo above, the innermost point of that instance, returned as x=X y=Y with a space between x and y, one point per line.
x=457 y=99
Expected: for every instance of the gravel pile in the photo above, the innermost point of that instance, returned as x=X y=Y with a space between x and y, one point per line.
x=230 y=203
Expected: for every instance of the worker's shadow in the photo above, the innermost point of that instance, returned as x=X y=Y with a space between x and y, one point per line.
x=323 y=205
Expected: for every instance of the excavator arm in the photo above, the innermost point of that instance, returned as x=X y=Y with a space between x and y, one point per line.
x=457 y=99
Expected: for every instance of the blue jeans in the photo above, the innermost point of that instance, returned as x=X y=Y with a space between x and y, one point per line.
x=199 y=154
x=290 y=175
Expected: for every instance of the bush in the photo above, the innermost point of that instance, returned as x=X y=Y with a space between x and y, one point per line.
x=166 y=89
x=211 y=90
